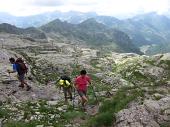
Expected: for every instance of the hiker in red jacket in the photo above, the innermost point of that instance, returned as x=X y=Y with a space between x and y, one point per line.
x=81 y=83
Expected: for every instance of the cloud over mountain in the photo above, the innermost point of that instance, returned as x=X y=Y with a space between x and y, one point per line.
x=46 y=2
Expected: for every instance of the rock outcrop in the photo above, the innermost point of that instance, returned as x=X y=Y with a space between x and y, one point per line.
x=150 y=114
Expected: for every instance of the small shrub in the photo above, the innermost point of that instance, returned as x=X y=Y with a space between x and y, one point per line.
x=165 y=124
x=72 y=115
x=4 y=112
x=108 y=109
x=21 y=124
x=105 y=118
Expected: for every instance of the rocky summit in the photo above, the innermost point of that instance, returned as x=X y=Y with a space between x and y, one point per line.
x=127 y=90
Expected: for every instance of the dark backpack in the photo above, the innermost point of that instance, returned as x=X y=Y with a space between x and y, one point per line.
x=22 y=68
x=64 y=77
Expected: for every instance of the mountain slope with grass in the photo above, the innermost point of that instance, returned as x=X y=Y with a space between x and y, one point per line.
x=27 y=32
x=147 y=29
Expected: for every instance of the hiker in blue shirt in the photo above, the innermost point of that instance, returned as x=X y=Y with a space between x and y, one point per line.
x=20 y=68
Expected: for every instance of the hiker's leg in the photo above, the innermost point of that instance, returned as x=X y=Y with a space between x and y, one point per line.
x=25 y=82
x=22 y=84
x=65 y=93
x=28 y=87
x=70 y=93
x=20 y=78
x=59 y=89
x=83 y=97
x=84 y=100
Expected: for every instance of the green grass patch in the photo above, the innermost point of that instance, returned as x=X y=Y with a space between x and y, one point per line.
x=138 y=75
x=70 y=115
x=76 y=70
x=166 y=62
x=103 y=119
x=94 y=63
x=157 y=97
x=165 y=124
x=4 y=113
x=151 y=62
x=21 y=124
x=108 y=109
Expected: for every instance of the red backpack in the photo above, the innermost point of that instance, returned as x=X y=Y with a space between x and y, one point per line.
x=23 y=69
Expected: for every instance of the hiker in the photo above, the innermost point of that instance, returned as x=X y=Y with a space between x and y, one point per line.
x=81 y=82
x=65 y=83
x=20 y=67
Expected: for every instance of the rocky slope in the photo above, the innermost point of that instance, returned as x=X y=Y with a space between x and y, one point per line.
x=131 y=90
x=146 y=80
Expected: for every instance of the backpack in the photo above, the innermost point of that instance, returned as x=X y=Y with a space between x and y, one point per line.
x=64 y=81
x=22 y=67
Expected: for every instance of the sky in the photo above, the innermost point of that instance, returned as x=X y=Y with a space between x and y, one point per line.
x=101 y=7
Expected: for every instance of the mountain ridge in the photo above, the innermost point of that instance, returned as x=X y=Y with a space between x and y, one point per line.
x=28 y=32
x=90 y=32
x=93 y=33
x=144 y=29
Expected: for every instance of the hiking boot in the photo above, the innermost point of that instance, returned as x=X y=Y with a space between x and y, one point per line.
x=28 y=88
x=22 y=86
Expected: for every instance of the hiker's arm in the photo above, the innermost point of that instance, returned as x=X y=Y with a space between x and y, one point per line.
x=11 y=71
x=89 y=81
x=75 y=84
x=14 y=69
x=89 y=84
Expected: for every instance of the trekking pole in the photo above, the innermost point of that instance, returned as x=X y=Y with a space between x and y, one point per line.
x=9 y=76
x=94 y=94
x=75 y=95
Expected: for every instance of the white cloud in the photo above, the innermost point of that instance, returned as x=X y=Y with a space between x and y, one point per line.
x=84 y=2
x=107 y=7
x=45 y=3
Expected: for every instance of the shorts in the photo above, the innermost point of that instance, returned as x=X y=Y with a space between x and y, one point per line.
x=67 y=89
x=21 y=77
x=82 y=92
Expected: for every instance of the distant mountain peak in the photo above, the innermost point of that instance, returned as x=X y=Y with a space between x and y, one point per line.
x=90 y=21
x=8 y=28
x=148 y=16
x=56 y=21
x=92 y=24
